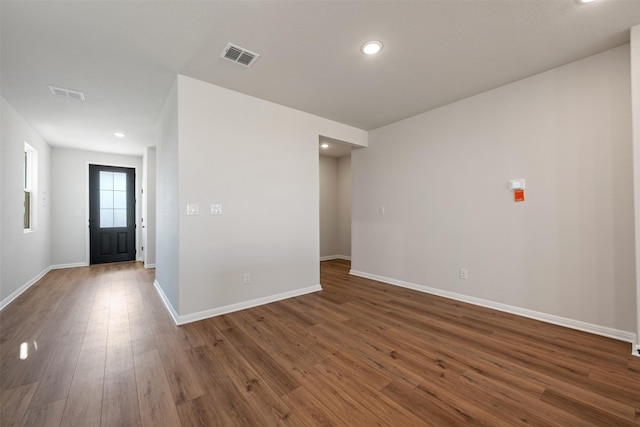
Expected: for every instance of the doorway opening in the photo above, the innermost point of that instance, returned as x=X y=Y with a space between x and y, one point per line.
x=112 y=213
x=335 y=199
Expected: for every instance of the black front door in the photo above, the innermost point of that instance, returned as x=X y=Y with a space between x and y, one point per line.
x=112 y=217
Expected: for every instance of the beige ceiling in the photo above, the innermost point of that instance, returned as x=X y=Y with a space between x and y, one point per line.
x=124 y=56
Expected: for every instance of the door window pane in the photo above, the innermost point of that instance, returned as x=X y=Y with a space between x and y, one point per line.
x=120 y=199
x=106 y=180
x=113 y=199
x=120 y=181
x=106 y=199
x=106 y=218
x=119 y=217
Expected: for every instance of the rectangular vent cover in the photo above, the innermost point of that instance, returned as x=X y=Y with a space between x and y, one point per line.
x=239 y=54
x=69 y=93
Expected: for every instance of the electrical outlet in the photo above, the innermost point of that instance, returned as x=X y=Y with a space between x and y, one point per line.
x=247 y=278
x=463 y=273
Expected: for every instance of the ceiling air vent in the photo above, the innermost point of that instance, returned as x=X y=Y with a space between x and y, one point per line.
x=240 y=55
x=73 y=94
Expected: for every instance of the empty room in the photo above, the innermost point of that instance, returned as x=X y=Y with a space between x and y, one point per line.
x=320 y=213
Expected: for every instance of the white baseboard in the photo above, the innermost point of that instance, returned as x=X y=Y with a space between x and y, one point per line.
x=150 y=265
x=218 y=311
x=72 y=265
x=617 y=334
x=15 y=294
x=167 y=304
x=330 y=257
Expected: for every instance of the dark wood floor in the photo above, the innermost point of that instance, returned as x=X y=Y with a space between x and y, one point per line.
x=101 y=350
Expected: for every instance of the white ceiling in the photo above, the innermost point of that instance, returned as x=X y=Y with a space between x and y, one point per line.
x=124 y=56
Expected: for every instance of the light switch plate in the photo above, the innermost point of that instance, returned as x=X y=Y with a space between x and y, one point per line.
x=216 y=209
x=517 y=184
x=193 y=209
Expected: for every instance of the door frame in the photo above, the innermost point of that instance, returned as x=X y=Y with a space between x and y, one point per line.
x=87 y=234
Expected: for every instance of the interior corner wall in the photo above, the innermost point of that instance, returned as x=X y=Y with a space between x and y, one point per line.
x=149 y=225
x=329 y=221
x=24 y=256
x=167 y=202
x=259 y=160
x=344 y=206
x=443 y=178
x=635 y=99
x=70 y=201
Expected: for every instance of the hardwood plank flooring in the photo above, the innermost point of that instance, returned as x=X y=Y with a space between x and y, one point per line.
x=94 y=346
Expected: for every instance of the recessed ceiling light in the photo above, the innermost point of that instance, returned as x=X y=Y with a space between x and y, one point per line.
x=324 y=145
x=585 y=1
x=119 y=135
x=371 y=47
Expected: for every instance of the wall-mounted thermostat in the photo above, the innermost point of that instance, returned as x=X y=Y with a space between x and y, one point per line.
x=517 y=184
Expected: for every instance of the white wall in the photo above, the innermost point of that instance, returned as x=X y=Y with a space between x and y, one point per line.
x=149 y=207
x=443 y=176
x=635 y=93
x=2 y=204
x=70 y=204
x=24 y=256
x=167 y=235
x=329 y=231
x=260 y=161
x=344 y=206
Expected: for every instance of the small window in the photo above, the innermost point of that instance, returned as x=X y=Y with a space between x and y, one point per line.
x=30 y=180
